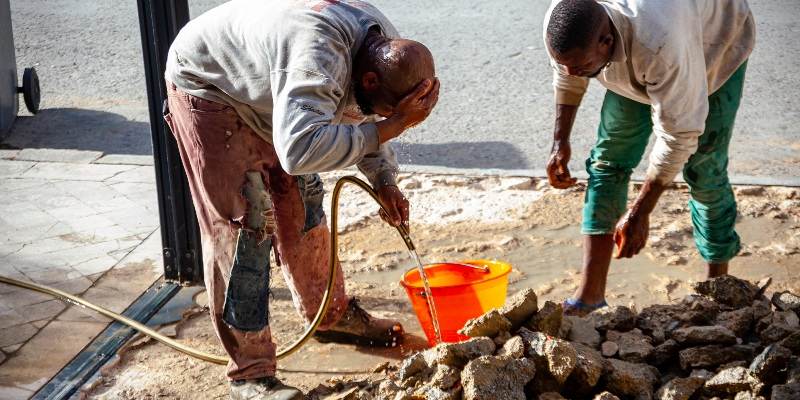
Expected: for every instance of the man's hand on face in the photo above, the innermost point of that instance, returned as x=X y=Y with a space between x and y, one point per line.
x=631 y=233
x=415 y=108
x=558 y=167
x=396 y=204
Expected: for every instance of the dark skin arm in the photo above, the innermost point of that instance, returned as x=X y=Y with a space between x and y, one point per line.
x=558 y=166
x=632 y=229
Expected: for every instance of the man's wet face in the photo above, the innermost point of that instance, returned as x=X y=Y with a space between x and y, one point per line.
x=582 y=62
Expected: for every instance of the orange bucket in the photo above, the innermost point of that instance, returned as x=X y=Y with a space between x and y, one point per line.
x=461 y=291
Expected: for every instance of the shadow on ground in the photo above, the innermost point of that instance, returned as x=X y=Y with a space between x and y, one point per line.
x=492 y=154
x=80 y=129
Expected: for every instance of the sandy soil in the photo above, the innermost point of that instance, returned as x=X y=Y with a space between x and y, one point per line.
x=518 y=220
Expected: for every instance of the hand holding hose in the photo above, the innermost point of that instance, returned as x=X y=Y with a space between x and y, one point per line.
x=396 y=204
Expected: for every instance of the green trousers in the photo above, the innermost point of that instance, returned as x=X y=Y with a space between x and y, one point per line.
x=625 y=127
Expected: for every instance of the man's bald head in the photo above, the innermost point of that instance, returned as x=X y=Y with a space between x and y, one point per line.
x=386 y=70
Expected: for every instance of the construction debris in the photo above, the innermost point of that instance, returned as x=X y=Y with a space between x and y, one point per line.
x=725 y=342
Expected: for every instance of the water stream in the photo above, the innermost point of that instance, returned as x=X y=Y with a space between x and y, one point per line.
x=428 y=296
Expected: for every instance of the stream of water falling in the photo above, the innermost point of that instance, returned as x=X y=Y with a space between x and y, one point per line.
x=428 y=296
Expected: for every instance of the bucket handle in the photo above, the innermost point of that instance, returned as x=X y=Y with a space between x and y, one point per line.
x=481 y=268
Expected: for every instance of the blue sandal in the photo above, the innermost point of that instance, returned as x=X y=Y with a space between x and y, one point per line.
x=576 y=307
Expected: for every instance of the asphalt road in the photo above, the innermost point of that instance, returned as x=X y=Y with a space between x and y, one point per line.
x=495 y=109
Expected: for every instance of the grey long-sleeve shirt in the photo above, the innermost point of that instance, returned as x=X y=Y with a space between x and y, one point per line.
x=286 y=67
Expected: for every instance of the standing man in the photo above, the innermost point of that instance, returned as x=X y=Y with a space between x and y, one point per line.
x=673 y=67
x=263 y=95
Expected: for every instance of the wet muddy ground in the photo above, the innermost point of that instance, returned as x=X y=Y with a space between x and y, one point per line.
x=517 y=220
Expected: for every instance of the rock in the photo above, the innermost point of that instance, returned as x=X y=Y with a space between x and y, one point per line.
x=660 y=318
x=761 y=308
x=551 y=396
x=489 y=324
x=770 y=365
x=520 y=307
x=563 y=330
x=619 y=318
x=552 y=355
x=458 y=354
x=792 y=342
x=786 y=301
x=633 y=345
x=728 y=290
x=606 y=396
x=501 y=338
x=664 y=353
x=445 y=377
x=514 y=348
x=733 y=364
x=750 y=191
x=609 y=349
x=777 y=326
x=731 y=381
x=582 y=331
x=709 y=308
x=434 y=393
x=387 y=389
x=747 y=396
x=789 y=391
x=703 y=374
x=696 y=335
x=548 y=319
x=490 y=377
x=631 y=379
x=679 y=389
x=738 y=321
x=712 y=355
x=410 y=367
x=588 y=369
x=793 y=371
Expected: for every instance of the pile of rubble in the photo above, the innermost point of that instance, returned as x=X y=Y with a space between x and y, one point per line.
x=727 y=341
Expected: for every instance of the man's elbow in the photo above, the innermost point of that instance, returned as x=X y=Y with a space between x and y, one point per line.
x=297 y=167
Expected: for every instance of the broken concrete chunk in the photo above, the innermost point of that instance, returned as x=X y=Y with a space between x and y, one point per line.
x=501 y=338
x=660 y=317
x=633 y=345
x=679 y=389
x=588 y=369
x=696 y=335
x=728 y=290
x=489 y=324
x=770 y=365
x=703 y=374
x=777 y=326
x=747 y=396
x=520 y=308
x=609 y=349
x=789 y=391
x=761 y=308
x=411 y=366
x=514 y=348
x=786 y=301
x=631 y=379
x=713 y=355
x=552 y=355
x=458 y=354
x=490 y=377
x=793 y=371
x=738 y=321
x=606 y=396
x=551 y=396
x=445 y=377
x=619 y=318
x=665 y=352
x=429 y=392
x=582 y=331
x=792 y=342
x=731 y=381
x=548 y=319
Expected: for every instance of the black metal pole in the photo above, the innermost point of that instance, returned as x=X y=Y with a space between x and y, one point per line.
x=159 y=23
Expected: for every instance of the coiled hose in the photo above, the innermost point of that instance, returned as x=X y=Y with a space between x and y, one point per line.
x=296 y=345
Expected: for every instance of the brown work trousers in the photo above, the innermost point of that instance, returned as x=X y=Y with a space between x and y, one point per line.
x=219 y=151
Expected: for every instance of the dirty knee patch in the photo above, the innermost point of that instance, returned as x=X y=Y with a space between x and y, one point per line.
x=246 y=300
x=312 y=193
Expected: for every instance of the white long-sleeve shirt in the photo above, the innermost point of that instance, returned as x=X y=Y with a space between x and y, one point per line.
x=672 y=55
x=286 y=67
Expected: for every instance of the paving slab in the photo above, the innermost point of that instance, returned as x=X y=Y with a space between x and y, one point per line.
x=74 y=172
x=58 y=155
x=17 y=334
x=14 y=168
x=124 y=159
x=8 y=154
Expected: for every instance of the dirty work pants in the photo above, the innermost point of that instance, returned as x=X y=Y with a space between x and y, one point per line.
x=227 y=163
x=625 y=127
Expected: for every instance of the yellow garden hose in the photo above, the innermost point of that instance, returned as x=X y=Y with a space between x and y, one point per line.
x=326 y=298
